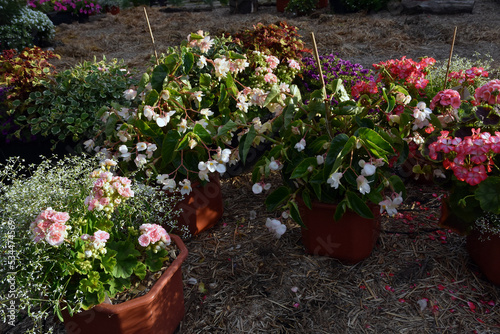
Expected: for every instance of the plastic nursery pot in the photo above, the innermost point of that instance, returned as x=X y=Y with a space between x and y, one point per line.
x=203 y=207
x=349 y=240
x=159 y=311
x=484 y=250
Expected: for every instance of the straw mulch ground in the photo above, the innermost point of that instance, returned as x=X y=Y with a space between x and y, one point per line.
x=238 y=278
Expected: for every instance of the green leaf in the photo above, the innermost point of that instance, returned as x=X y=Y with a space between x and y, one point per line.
x=340 y=210
x=339 y=90
x=146 y=130
x=201 y=132
x=158 y=76
x=229 y=126
x=375 y=141
x=246 y=143
x=108 y=261
x=306 y=197
x=336 y=146
x=358 y=205
x=140 y=270
x=55 y=130
x=188 y=61
x=168 y=146
x=277 y=197
x=348 y=147
x=488 y=194
x=152 y=98
x=295 y=214
x=302 y=168
x=154 y=261
x=205 y=80
x=126 y=258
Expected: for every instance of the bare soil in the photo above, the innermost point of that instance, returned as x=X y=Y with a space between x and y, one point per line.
x=419 y=278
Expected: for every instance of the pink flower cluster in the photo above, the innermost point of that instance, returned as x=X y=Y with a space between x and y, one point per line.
x=153 y=233
x=467 y=77
x=50 y=226
x=470 y=158
x=362 y=87
x=411 y=73
x=488 y=93
x=108 y=191
x=447 y=97
x=98 y=240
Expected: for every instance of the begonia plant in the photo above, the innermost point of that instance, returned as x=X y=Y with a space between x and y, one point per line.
x=191 y=115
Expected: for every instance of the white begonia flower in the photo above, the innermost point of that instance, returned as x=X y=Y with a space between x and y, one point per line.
x=206 y=112
x=438 y=173
x=359 y=144
x=267 y=186
x=334 y=180
x=182 y=126
x=192 y=143
x=257 y=188
x=363 y=185
x=212 y=165
x=368 y=168
x=198 y=95
x=185 y=187
x=221 y=168
x=165 y=94
x=421 y=115
x=126 y=156
x=203 y=175
x=129 y=94
x=141 y=146
x=124 y=136
x=203 y=123
x=124 y=113
x=390 y=205
x=225 y=155
x=168 y=184
x=202 y=165
x=301 y=145
x=163 y=121
x=89 y=145
x=123 y=149
x=222 y=67
x=140 y=160
x=274 y=164
x=394 y=119
x=149 y=113
x=320 y=159
x=88 y=253
x=152 y=147
x=417 y=138
x=202 y=62
x=276 y=227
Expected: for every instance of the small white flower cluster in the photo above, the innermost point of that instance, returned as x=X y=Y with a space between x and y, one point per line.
x=276 y=227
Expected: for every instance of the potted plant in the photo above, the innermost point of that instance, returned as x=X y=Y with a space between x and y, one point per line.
x=334 y=159
x=470 y=151
x=66 y=11
x=79 y=237
x=188 y=114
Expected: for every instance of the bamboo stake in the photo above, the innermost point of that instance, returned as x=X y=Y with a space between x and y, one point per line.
x=449 y=59
x=316 y=58
x=152 y=38
x=328 y=116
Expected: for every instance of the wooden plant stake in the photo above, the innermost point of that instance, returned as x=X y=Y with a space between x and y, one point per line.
x=449 y=59
x=152 y=38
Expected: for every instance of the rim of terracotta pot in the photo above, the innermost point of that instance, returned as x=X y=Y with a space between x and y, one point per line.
x=324 y=205
x=151 y=295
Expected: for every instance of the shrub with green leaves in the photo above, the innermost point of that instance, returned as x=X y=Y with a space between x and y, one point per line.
x=69 y=105
x=20 y=74
x=301 y=7
x=364 y=5
x=25 y=28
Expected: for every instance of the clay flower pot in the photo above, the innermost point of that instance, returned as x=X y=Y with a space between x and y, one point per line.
x=350 y=240
x=159 y=311
x=203 y=207
x=484 y=250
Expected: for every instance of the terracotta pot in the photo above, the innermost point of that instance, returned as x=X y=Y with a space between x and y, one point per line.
x=281 y=4
x=159 y=311
x=350 y=240
x=203 y=207
x=484 y=250
x=113 y=10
